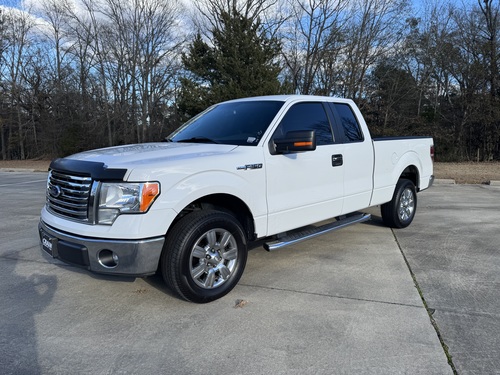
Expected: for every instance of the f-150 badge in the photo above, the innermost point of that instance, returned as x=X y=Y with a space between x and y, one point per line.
x=249 y=166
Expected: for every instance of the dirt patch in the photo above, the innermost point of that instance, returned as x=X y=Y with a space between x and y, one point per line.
x=37 y=165
x=468 y=173
x=462 y=173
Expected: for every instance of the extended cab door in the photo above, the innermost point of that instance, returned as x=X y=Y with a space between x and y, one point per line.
x=358 y=156
x=304 y=187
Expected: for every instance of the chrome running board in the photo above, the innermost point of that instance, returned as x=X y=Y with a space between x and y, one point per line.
x=308 y=232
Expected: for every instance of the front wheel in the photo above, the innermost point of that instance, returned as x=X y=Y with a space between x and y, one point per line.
x=400 y=211
x=204 y=256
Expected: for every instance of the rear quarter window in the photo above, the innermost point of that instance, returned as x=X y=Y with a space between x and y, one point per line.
x=349 y=123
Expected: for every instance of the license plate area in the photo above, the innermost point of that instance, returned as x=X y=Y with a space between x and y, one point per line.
x=49 y=244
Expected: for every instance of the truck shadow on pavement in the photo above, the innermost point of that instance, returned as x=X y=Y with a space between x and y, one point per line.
x=156 y=281
x=376 y=221
x=96 y=276
x=27 y=297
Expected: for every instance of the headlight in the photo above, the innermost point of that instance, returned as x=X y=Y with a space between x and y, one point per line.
x=116 y=198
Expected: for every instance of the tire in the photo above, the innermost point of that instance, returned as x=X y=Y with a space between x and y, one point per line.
x=204 y=256
x=400 y=211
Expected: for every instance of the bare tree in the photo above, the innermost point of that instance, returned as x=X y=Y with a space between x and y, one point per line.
x=142 y=47
x=489 y=29
x=490 y=32
x=3 y=48
x=132 y=47
x=426 y=54
x=56 y=14
x=18 y=32
x=373 y=32
x=211 y=10
x=311 y=47
x=158 y=50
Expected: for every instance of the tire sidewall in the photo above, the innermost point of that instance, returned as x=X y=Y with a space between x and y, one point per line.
x=203 y=223
x=403 y=185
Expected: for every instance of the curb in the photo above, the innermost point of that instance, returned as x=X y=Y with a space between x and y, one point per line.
x=444 y=181
x=495 y=183
x=20 y=170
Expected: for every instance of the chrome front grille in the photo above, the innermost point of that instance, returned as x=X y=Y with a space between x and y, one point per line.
x=69 y=195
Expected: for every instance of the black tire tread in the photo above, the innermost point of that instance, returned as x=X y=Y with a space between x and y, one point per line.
x=173 y=251
x=389 y=209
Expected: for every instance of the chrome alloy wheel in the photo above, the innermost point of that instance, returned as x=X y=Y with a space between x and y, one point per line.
x=406 y=205
x=213 y=258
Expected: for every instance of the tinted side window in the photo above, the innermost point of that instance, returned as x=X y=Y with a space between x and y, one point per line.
x=307 y=116
x=349 y=123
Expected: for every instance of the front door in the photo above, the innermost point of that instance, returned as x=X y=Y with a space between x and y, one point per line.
x=304 y=187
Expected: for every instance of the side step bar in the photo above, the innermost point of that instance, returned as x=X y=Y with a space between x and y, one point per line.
x=308 y=232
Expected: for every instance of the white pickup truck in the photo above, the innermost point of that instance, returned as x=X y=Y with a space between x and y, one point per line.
x=264 y=168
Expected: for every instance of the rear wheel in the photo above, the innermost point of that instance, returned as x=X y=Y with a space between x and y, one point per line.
x=204 y=255
x=400 y=211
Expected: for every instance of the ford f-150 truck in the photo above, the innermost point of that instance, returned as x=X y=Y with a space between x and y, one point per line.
x=263 y=168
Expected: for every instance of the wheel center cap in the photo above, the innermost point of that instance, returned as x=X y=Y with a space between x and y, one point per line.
x=213 y=257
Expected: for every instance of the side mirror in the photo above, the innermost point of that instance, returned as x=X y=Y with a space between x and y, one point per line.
x=296 y=141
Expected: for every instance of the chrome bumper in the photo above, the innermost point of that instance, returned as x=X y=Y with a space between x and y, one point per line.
x=118 y=257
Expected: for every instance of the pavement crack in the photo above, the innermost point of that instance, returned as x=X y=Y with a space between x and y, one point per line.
x=329 y=295
x=430 y=311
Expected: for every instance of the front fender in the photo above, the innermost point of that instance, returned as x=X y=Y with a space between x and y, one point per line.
x=248 y=186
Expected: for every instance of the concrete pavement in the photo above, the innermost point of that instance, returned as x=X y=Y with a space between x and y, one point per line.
x=344 y=303
x=454 y=251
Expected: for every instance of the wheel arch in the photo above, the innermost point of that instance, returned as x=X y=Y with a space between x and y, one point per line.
x=408 y=167
x=226 y=203
x=412 y=173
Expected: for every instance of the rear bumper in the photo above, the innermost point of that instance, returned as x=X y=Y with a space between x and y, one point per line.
x=118 y=257
x=428 y=183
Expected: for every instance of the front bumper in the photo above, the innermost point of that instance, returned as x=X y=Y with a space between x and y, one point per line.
x=118 y=257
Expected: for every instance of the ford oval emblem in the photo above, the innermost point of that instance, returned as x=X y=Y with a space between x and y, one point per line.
x=55 y=191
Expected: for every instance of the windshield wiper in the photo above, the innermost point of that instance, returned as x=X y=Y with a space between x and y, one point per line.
x=197 y=140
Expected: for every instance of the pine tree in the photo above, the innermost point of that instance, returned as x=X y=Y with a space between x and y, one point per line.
x=241 y=63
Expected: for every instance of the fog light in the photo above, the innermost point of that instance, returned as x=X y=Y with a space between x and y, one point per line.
x=107 y=258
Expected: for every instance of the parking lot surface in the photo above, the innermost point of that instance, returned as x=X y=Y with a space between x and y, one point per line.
x=344 y=303
x=454 y=251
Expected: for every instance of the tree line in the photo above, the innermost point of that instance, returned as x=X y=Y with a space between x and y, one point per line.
x=77 y=75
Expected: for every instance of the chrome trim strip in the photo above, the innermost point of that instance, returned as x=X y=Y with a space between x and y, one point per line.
x=63 y=175
x=93 y=202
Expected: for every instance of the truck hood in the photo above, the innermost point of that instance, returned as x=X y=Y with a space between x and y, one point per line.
x=136 y=155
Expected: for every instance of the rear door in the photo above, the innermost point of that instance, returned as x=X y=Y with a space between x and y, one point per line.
x=304 y=187
x=358 y=159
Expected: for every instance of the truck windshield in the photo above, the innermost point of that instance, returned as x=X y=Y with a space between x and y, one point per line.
x=237 y=123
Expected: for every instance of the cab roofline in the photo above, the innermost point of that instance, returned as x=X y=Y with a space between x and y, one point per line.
x=290 y=97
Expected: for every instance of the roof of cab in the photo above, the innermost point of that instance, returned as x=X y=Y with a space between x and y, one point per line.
x=288 y=98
